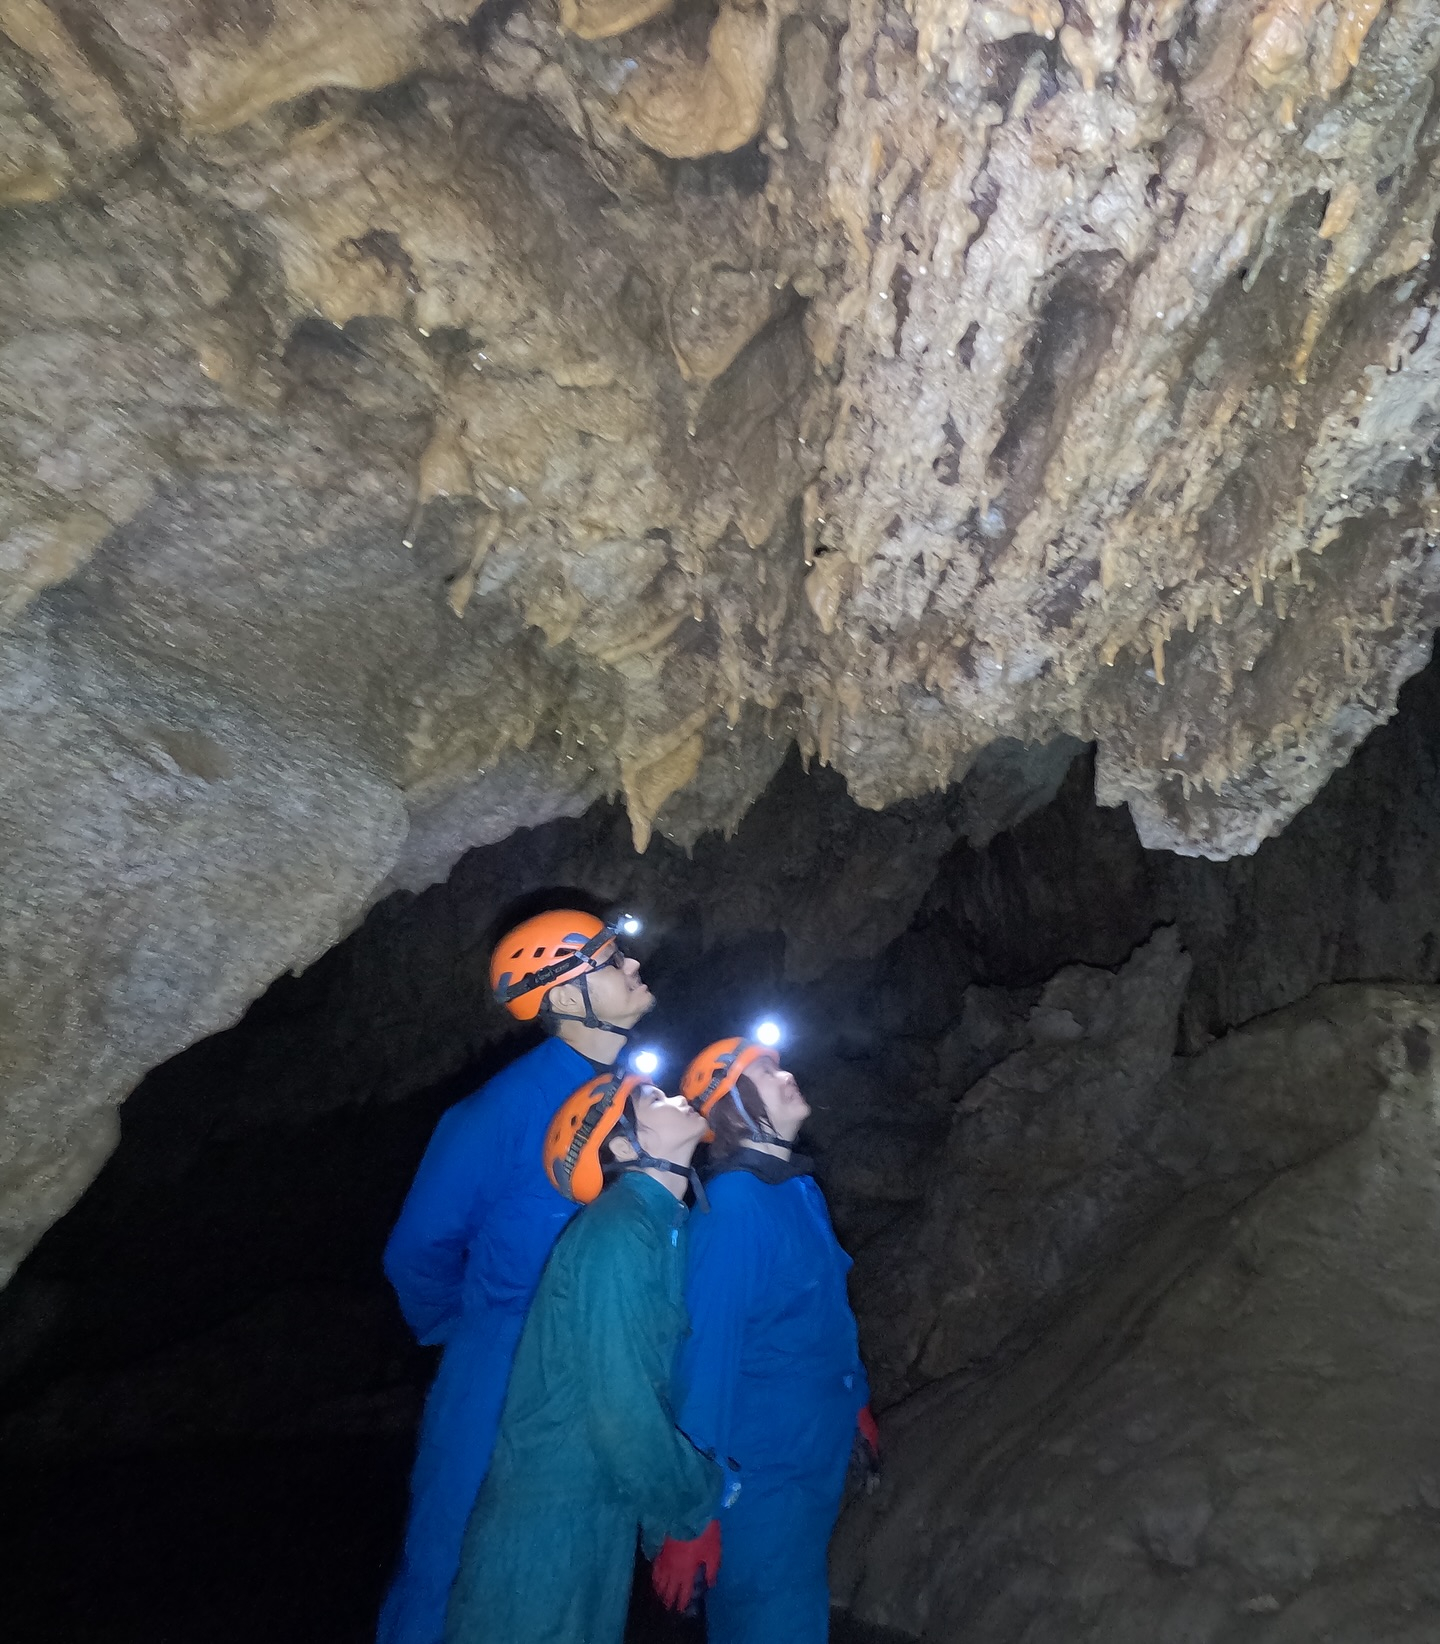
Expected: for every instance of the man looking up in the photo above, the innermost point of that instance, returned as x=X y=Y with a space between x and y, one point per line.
x=478 y=1224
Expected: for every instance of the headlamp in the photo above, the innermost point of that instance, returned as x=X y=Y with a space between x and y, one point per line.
x=646 y=1063
x=767 y=1033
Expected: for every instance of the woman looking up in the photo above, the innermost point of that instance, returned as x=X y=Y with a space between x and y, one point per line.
x=588 y=1456
x=770 y=1380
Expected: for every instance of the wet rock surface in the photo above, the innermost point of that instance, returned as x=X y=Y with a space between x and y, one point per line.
x=418 y=421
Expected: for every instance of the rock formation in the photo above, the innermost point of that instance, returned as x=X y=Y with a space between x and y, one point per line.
x=416 y=421
x=987 y=1023
x=1222 y=1441
x=1104 y=1134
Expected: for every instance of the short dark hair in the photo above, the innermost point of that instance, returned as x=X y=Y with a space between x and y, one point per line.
x=731 y=1131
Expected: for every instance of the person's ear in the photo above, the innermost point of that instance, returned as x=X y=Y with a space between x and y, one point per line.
x=565 y=998
x=621 y=1150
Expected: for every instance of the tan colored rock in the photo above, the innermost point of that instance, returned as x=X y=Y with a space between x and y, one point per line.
x=686 y=110
x=713 y=313
x=1079 y=389
x=944 y=355
x=1008 y=18
x=86 y=98
x=599 y=19
x=650 y=782
x=41 y=553
x=222 y=76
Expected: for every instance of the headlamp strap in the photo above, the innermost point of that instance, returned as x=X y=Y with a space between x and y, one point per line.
x=764 y=1133
x=561 y=969
x=589 y=1019
x=648 y=1161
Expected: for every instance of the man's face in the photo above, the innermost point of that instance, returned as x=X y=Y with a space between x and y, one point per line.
x=617 y=995
x=668 y=1127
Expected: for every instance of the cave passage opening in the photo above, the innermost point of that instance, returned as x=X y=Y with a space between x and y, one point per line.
x=207 y=1396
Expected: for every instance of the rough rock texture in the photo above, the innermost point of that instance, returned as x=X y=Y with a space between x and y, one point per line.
x=1046 y=1161
x=1063 y=1151
x=909 y=961
x=89 y=991
x=993 y=1121
x=304 y=1103
x=1111 y=289
x=1231 y=1438
x=1020 y=1161
x=455 y=416
x=1349 y=891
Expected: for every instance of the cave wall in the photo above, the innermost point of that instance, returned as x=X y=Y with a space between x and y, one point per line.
x=260 y=1170
x=958 y=1263
x=418 y=421
x=1346 y=892
x=1230 y=1436
x=987 y=1023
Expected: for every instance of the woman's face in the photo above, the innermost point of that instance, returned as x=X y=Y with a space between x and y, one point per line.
x=787 y=1108
x=668 y=1127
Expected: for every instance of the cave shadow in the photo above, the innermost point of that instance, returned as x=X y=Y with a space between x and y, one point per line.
x=229 y=1539
x=196 y=1534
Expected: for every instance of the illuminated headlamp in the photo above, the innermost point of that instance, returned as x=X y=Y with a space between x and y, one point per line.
x=626 y=924
x=767 y=1033
x=646 y=1063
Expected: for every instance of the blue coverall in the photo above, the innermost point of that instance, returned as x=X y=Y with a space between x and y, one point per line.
x=465 y=1258
x=771 y=1385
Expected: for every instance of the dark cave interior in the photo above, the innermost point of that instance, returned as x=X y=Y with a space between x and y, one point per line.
x=207 y=1396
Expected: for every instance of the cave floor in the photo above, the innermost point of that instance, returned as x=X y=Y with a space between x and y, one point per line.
x=285 y=1542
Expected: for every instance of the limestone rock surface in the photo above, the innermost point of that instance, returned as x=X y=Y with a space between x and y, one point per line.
x=1068 y=1146
x=1230 y=1438
x=427 y=418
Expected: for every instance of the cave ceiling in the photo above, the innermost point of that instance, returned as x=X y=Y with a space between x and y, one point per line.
x=416 y=421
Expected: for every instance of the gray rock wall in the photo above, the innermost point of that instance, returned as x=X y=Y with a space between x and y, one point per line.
x=480 y=410
x=911 y=959
x=1232 y=1437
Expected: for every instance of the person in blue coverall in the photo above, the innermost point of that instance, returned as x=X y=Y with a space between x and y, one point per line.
x=770 y=1379
x=480 y=1220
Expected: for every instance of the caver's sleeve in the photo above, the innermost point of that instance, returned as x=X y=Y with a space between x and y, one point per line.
x=458 y=1180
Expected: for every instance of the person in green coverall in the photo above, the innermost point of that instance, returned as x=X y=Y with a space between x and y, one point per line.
x=588 y=1454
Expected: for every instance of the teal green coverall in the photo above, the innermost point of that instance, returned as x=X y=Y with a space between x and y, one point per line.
x=588 y=1453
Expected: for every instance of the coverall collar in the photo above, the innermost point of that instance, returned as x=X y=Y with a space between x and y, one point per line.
x=765 y=1165
x=657 y=1198
x=586 y=1067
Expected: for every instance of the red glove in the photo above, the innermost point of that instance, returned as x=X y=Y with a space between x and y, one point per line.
x=863 y=1473
x=679 y=1566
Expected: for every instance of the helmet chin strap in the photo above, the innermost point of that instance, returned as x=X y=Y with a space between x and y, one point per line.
x=765 y=1134
x=648 y=1161
x=589 y=1019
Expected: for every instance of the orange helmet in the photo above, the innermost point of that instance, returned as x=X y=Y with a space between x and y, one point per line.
x=544 y=951
x=713 y=1073
x=580 y=1129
